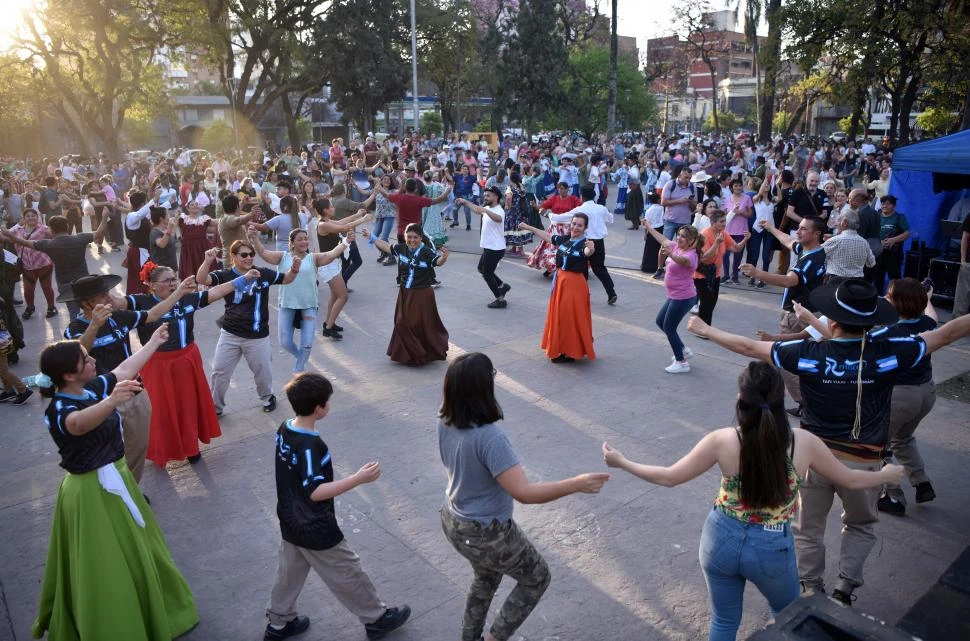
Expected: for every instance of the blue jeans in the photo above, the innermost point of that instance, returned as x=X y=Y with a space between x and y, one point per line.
x=670 y=229
x=308 y=327
x=732 y=552
x=382 y=229
x=729 y=255
x=468 y=212
x=762 y=244
x=669 y=317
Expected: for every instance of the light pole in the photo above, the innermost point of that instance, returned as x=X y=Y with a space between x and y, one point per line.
x=414 y=68
x=232 y=102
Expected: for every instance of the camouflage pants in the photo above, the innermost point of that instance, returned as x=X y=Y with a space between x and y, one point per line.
x=494 y=551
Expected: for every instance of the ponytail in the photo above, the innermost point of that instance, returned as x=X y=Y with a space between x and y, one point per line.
x=765 y=437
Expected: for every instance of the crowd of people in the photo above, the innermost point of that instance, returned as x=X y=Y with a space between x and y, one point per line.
x=711 y=213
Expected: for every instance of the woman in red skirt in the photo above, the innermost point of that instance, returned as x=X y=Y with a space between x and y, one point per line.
x=419 y=336
x=569 y=324
x=182 y=409
x=544 y=255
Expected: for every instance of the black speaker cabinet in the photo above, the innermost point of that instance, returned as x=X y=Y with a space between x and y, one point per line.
x=944 y=274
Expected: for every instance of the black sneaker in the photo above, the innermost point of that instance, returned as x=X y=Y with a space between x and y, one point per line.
x=21 y=398
x=270 y=404
x=889 y=505
x=658 y=275
x=27 y=313
x=498 y=303
x=452 y=225
x=337 y=328
x=751 y=282
x=924 y=492
x=468 y=227
x=795 y=411
x=611 y=300
x=392 y=619
x=845 y=598
x=8 y=395
x=291 y=629
x=195 y=458
x=505 y=288
x=332 y=332
x=562 y=358
x=51 y=312
x=760 y=285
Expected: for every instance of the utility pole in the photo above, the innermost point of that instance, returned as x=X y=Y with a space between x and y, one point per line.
x=611 y=109
x=414 y=68
x=458 y=79
x=232 y=101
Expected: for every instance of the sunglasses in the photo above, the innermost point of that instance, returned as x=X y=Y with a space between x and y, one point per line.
x=245 y=254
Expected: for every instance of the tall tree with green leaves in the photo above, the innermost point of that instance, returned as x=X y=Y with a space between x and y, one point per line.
x=540 y=48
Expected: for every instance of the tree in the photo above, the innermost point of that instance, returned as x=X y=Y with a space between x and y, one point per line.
x=586 y=87
x=534 y=87
x=769 y=59
x=100 y=57
x=217 y=137
x=936 y=121
x=692 y=23
x=752 y=17
x=365 y=41
x=727 y=120
x=666 y=71
x=20 y=104
x=431 y=122
x=614 y=45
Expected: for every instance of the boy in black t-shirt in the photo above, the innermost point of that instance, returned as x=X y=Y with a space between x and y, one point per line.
x=305 y=491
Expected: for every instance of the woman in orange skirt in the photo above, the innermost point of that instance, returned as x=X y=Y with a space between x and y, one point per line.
x=182 y=410
x=569 y=324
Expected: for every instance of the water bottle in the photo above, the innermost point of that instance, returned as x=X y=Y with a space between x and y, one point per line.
x=31 y=381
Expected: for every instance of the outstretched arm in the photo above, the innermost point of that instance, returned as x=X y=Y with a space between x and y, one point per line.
x=700 y=459
x=738 y=344
x=271 y=257
x=514 y=481
x=541 y=233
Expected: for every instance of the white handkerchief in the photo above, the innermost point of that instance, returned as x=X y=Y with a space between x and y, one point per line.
x=110 y=479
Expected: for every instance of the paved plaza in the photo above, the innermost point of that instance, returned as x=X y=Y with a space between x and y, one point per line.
x=624 y=562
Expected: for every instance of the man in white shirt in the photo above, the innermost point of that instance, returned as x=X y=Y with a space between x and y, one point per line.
x=492 y=242
x=599 y=216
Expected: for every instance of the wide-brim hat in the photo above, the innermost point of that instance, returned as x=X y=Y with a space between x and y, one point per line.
x=88 y=287
x=854 y=302
x=700 y=177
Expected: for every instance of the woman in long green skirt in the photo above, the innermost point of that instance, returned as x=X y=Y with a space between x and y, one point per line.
x=109 y=574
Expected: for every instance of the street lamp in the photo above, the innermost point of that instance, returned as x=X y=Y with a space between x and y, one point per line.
x=232 y=102
x=414 y=68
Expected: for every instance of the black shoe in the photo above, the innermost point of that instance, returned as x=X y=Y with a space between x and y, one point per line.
x=381 y=258
x=468 y=227
x=845 y=598
x=17 y=301
x=751 y=282
x=924 y=492
x=22 y=397
x=195 y=458
x=735 y=281
x=562 y=358
x=392 y=619
x=291 y=629
x=270 y=404
x=27 y=313
x=795 y=411
x=435 y=284
x=889 y=505
x=658 y=275
x=8 y=395
x=51 y=312
x=337 y=328
x=760 y=285
x=452 y=225
x=498 y=303
x=332 y=332
x=505 y=288
x=611 y=300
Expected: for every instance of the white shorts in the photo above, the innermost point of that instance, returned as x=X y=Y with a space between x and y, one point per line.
x=329 y=271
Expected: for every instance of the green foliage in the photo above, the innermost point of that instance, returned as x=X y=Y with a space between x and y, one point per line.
x=781 y=121
x=484 y=125
x=217 y=137
x=19 y=104
x=431 y=122
x=937 y=121
x=305 y=129
x=139 y=129
x=727 y=120
x=585 y=88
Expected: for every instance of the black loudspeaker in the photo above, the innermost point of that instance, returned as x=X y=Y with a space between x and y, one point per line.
x=944 y=274
x=918 y=262
x=819 y=618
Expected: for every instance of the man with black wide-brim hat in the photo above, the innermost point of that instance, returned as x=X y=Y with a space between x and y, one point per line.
x=102 y=325
x=847 y=385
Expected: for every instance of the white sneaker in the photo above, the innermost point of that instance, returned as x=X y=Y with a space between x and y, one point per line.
x=687 y=353
x=677 y=368
x=695 y=310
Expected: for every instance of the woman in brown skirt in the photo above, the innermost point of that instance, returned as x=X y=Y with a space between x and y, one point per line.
x=419 y=336
x=568 y=334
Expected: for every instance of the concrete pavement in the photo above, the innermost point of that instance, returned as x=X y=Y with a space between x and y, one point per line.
x=624 y=563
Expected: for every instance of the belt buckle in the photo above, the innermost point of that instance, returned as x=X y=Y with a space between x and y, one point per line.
x=780 y=527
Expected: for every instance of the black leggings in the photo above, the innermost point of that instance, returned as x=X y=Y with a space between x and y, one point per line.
x=707 y=292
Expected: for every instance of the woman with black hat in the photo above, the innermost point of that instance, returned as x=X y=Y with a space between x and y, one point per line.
x=846 y=384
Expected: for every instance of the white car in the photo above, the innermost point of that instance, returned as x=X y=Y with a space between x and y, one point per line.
x=191 y=156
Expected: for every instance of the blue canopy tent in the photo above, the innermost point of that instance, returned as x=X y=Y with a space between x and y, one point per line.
x=927 y=179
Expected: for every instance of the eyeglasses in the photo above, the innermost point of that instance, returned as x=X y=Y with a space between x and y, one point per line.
x=168 y=281
x=245 y=254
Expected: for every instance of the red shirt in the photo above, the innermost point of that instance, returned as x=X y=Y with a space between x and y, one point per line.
x=558 y=205
x=409 y=208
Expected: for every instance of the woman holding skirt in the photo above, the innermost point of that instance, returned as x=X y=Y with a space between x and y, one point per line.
x=109 y=574
x=544 y=255
x=182 y=409
x=419 y=336
x=568 y=334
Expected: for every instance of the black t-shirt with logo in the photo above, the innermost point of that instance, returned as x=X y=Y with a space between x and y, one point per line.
x=415 y=269
x=303 y=463
x=91 y=450
x=828 y=372
x=180 y=319
x=569 y=253
x=111 y=345
x=247 y=311
x=810 y=269
x=923 y=371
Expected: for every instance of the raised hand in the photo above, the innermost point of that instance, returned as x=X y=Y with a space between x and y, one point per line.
x=187 y=285
x=612 y=457
x=160 y=335
x=212 y=253
x=125 y=390
x=100 y=314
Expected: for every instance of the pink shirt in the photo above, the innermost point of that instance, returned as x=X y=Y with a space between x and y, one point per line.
x=679 y=280
x=738 y=224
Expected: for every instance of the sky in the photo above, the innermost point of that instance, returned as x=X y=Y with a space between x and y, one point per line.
x=647 y=18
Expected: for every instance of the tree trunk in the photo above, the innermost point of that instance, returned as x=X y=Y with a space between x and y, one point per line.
x=289 y=119
x=965 y=123
x=894 y=99
x=796 y=117
x=611 y=108
x=770 y=56
x=906 y=106
x=717 y=124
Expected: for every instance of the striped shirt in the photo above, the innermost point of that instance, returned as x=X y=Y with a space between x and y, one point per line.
x=847 y=254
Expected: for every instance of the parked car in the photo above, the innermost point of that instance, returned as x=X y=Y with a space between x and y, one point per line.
x=189 y=157
x=839 y=136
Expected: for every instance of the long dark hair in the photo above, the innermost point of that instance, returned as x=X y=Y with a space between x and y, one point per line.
x=469 y=393
x=58 y=360
x=765 y=436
